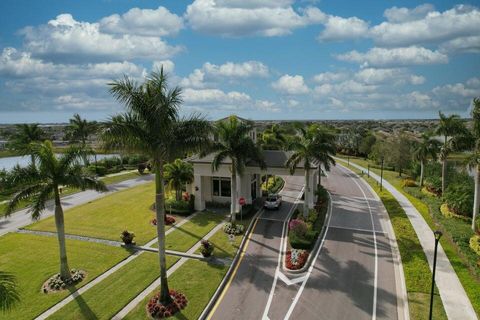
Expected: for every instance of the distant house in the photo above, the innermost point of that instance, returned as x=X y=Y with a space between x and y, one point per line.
x=3 y=144
x=215 y=186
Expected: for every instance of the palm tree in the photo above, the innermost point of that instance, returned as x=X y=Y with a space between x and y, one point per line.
x=9 y=295
x=177 y=174
x=235 y=143
x=79 y=130
x=474 y=160
x=451 y=128
x=427 y=147
x=314 y=145
x=42 y=184
x=25 y=135
x=274 y=138
x=152 y=126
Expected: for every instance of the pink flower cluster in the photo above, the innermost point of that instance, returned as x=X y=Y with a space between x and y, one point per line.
x=298 y=227
x=168 y=220
x=158 y=311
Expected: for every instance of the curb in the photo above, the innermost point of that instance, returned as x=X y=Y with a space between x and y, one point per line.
x=227 y=276
x=315 y=248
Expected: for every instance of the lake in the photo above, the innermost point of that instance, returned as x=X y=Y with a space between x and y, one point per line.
x=9 y=162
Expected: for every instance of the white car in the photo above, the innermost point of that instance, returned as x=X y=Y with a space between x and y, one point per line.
x=273 y=201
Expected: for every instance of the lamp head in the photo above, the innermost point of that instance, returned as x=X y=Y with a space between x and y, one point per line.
x=438 y=234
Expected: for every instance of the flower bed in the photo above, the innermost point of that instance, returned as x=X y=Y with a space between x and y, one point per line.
x=56 y=283
x=445 y=210
x=157 y=310
x=296 y=258
x=168 y=220
x=236 y=229
x=207 y=248
x=428 y=192
x=475 y=243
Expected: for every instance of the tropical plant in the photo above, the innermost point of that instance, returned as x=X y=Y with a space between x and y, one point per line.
x=152 y=126
x=178 y=173
x=78 y=132
x=235 y=143
x=24 y=137
x=274 y=138
x=314 y=145
x=452 y=129
x=9 y=294
x=428 y=147
x=42 y=184
x=474 y=160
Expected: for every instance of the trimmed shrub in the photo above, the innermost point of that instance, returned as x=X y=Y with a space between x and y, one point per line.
x=98 y=170
x=168 y=220
x=306 y=242
x=297 y=227
x=127 y=237
x=57 y=283
x=475 y=243
x=459 y=198
x=434 y=184
x=141 y=168
x=207 y=248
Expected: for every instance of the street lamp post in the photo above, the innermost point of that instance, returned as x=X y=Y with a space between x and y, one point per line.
x=438 y=235
x=381 y=176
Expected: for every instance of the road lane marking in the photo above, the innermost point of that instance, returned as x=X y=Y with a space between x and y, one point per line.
x=287 y=281
x=270 y=219
x=242 y=254
x=375 y=281
x=310 y=269
x=359 y=229
x=280 y=249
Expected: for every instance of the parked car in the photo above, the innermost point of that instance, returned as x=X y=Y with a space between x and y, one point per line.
x=273 y=201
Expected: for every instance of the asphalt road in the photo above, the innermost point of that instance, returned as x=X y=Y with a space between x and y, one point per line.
x=353 y=277
x=22 y=218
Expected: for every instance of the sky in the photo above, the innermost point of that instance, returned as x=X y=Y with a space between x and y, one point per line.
x=259 y=59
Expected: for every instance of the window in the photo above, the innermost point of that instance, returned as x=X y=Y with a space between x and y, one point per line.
x=221 y=187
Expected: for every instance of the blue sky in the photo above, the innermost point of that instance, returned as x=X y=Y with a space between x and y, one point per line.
x=260 y=59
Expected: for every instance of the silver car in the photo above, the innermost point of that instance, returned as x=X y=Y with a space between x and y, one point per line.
x=273 y=201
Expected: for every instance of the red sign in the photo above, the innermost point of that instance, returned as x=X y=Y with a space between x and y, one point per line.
x=241 y=201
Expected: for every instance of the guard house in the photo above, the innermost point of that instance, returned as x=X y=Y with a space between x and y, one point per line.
x=215 y=186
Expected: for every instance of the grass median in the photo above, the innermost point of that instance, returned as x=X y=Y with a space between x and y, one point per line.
x=33 y=259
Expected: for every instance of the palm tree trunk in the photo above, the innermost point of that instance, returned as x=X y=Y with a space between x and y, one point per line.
x=422 y=168
x=476 y=200
x=319 y=176
x=160 y=215
x=306 y=196
x=33 y=161
x=444 y=175
x=60 y=225
x=178 y=194
x=233 y=191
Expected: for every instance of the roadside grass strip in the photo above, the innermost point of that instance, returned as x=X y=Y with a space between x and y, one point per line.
x=107 y=217
x=469 y=278
x=198 y=280
x=415 y=266
x=109 y=296
x=33 y=259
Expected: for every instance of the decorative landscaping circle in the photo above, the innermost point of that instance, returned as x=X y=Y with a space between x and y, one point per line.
x=56 y=283
x=156 y=310
x=169 y=220
x=296 y=258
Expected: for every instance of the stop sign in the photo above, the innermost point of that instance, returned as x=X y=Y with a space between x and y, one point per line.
x=241 y=201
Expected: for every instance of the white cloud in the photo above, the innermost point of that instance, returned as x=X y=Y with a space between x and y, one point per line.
x=398 y=15
x=392 y=75
x=168 y=65
x=216 y=96
x=338 y=28
x=460 y=21
x=464 y=44
x=236 y=70
x=293 y=103
x=144 y=22
x=73 y=41
x=248 y=18
x=265 y=105
x=383 y=57
x=292 y=85
x=330 y=77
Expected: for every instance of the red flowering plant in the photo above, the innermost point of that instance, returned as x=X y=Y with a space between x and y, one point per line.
x=298 y=227
x=186 y=196
x=168 y=220
x=295 y=259
x=157 y=310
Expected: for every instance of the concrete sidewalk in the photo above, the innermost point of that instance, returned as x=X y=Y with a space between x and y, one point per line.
x=22 y=218
x=455 y=300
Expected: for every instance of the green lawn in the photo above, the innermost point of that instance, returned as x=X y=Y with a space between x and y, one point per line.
x=185 y=236
x=198 y=280
x=122 y=177
x=454 y=242
x=415 y=265
x=107 y=217
x=108 y=297
x=33 y=259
